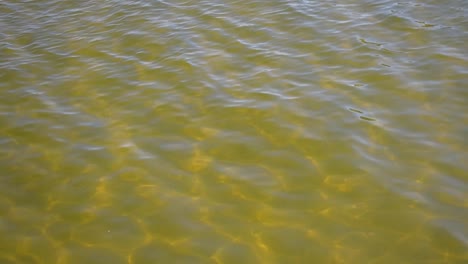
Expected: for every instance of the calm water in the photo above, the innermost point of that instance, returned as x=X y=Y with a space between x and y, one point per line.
x=284 y=131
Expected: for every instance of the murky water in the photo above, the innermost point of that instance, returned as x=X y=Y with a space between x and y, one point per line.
x=285 y=131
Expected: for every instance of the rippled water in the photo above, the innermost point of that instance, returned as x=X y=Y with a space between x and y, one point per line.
x=285 y=131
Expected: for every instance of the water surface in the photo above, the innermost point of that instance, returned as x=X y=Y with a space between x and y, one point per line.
x=285 y=131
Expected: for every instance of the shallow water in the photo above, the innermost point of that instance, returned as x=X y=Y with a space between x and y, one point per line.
x=282 y=131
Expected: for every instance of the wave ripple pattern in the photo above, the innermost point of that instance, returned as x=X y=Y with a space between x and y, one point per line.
x=284 y=131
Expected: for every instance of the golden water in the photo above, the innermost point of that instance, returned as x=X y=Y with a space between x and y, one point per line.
x=285 y=131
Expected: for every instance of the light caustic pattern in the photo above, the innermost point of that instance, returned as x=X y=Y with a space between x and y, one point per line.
x=233 y=132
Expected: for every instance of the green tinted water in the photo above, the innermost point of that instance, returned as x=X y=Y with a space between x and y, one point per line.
x=281 y=131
